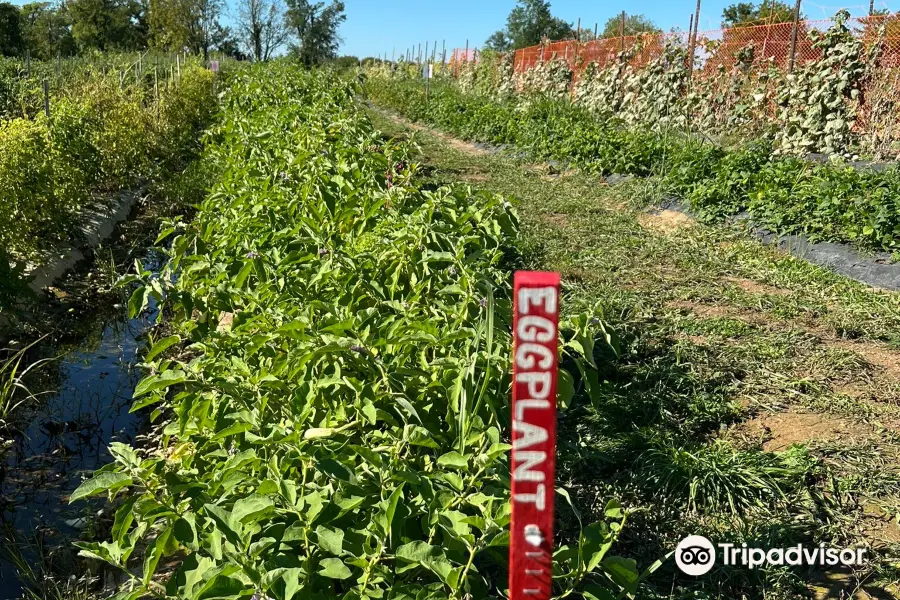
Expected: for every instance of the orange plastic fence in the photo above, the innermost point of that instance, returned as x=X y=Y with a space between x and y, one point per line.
x=714 y=48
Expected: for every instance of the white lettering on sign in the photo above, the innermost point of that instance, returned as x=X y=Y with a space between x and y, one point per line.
x=539 y=498
x=533 y=328
x=532 y=379
x=530 y=459
x=537 y=296
x=525 y=356
x=534 y=434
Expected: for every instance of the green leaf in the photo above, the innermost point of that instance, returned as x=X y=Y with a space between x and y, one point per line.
x=108 y=481
x=453 y=460
x=138 y=302
x=185 y=531
x=151 y=559
x=331 y=540
x=565 y=390
x=334 y=568
x=161 y=346
x=252 y=509
x=158 y=382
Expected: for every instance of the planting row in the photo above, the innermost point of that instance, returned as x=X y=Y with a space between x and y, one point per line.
x=842 y=103
x=334 y=424
x=789 y=195
x=100 y=136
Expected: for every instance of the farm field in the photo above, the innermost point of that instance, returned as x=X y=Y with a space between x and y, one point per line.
x=755 y=397
x=287 y=375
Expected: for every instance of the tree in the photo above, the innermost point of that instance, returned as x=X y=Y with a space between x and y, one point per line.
x=45 y=30
x=634 y=24
x=107 y=24
x=262 y=27
x=743 y=14
x=179 y=24
x=225 y=42
x=528 y=23
x=10 y=30
x=315 y=26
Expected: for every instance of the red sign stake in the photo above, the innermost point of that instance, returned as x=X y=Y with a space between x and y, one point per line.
x=535 y=363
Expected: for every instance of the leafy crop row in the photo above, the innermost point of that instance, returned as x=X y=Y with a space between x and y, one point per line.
x=824 y=106
x=100 y=135
x=827 y=201
x=336 y=422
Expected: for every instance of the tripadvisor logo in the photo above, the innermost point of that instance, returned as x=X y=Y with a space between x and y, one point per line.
x=695 y=555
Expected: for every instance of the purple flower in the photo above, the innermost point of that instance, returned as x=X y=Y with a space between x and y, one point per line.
x=482 y=302
x=453 y=270
x=251 y=255
x=324 y=251
x=358 y=348
x=595 y=321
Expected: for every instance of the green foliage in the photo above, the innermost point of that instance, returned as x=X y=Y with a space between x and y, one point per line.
x=316 y=26
x=819 y=102
x=528 y=23
x=10 y=30
x=743 y=14
x=107 y=24
x=45 y=30
x=100 y=136
x=827 y=201
x=342 y=433
x=634 y=24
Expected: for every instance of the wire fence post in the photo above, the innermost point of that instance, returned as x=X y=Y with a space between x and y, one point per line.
x=47 y=98
x=443 y=55
x=578 y=31
x=156 y=90
x=871 y=7
x=622 y=33
x=467 y=52
x=693 y=42
x=794 y=27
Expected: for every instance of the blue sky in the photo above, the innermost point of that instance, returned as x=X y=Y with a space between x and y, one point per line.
x=374 y=27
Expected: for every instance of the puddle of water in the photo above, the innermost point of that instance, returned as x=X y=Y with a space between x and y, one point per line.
x=66 y=438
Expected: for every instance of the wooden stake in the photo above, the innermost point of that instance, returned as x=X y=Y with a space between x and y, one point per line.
x=578 y=31
x=622 y=33
x=156 y=90
x=794 y=36
x=693 y=42
x=47 y=98
x=467 y=51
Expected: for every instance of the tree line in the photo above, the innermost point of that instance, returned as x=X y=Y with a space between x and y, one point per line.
x=532 y=21
x=260 y=30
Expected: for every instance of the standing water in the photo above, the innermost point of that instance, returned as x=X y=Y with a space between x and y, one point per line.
x=63 y=439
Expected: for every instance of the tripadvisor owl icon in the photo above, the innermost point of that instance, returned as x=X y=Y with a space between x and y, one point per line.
x=695 y=555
